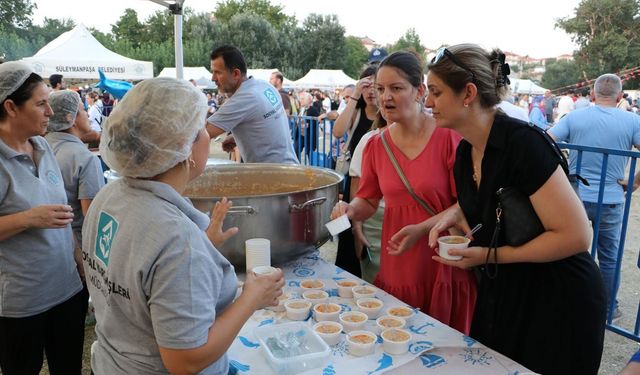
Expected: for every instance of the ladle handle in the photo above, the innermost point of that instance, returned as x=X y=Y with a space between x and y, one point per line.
x=309 y=203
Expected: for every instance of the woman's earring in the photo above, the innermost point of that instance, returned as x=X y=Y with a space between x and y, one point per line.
x=466 y=104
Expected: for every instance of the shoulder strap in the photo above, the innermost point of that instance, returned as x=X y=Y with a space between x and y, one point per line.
x=394 y=161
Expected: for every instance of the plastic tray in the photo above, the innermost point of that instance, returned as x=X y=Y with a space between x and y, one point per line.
x=318 y=350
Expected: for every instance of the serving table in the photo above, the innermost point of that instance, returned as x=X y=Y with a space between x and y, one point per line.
x=435 y=348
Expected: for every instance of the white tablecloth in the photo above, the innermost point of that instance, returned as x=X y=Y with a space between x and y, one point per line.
x=435 y=348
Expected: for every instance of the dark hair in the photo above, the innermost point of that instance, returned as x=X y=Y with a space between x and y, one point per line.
x=486 y=67
x=279 y=76
x=232 y=57
x=369 y=71
x=408 y=64
x=55 y=80
x=22 y=94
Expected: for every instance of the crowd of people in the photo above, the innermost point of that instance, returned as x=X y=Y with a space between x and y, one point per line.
x=427 y=160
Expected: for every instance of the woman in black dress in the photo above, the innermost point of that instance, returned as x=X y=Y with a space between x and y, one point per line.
x=545 y=308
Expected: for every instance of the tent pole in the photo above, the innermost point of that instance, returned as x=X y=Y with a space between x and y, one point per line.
x=176 y=9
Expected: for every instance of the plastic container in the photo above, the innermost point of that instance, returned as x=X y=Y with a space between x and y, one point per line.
x=403 y=312
x=395 y=340
x=316 y=355
x=361 y=343
x=370 y=306
x=345 y=287
x=329 y=331
x=447 y=243
x=363 y=291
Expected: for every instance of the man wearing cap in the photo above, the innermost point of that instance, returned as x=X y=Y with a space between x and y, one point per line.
x=376 y=55
x=253 y=113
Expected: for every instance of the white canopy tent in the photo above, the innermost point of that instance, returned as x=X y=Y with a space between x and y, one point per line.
x=265 y=74
x=77 y=54
x=324 y=79
x=526 y=86
x=200 y=74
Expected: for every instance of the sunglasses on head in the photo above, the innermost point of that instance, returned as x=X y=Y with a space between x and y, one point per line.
x=443 y=52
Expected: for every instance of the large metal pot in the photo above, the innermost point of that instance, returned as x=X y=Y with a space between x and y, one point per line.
x=287 y=204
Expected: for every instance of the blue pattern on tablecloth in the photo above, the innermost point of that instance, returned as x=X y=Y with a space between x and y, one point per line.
x=433 y=343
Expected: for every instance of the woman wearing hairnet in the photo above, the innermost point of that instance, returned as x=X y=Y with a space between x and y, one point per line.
x=40 y=299
x=161 y=291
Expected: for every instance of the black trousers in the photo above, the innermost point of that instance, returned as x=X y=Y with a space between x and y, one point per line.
x=58 y=332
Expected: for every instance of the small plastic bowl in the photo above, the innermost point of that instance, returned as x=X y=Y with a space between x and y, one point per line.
x=388 y=321
x=328 y=331
x=338 y=225
x=263 y=270
x=403 y=312
x=370 y=306
x=323 y=312
x=361 y=343
x=281 y=300
x=345 y=288
x=363 y=291
x=352 y=320
x=447 y=243
x=315 y=296
x=311 y=284
x=395 y=340
x=297 y=309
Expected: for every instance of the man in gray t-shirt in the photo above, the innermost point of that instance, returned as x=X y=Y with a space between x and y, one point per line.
x=254 y=112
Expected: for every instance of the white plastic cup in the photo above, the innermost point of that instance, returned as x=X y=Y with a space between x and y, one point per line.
x=257 y=252
x=447 y=243
x=338 y=225
x=263 y=270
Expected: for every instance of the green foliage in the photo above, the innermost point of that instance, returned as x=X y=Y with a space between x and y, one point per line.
x=52 y=28
x=257 y=41
x=355 y=57
x=324 y=44
x=410 y=41
x=15 y=47
x=559 y=74
x=15 y=16
x=607 y=33
x=273 y=14
x=128 y=28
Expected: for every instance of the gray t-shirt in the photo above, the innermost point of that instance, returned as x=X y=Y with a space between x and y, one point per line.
x=259 y=123
x=81 y=172
x=154 y=277
x=37 y=270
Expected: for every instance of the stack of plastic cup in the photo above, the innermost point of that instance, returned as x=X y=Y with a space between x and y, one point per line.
x=258 y=252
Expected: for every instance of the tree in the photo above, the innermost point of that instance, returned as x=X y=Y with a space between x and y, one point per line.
x=273 y=14
x=128 y=28
x=608 y=34
x=15 y=15
x=355 y=57
x=51 y=28
x=254 y=36
x=159 y=27
x=560 y=73
x=410 y=41
x=324 y=42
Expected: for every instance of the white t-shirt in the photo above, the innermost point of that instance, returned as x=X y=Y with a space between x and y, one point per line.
x=355 y=168
x=565 y=105
x=95 y=116
x=513 y=111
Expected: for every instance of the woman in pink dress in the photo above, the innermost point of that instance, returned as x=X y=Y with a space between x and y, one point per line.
x=426 y=155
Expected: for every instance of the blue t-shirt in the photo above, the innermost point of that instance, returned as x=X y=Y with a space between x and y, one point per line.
x=604 y=127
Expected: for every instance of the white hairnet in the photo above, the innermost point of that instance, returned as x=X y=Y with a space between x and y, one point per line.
x=64 y=104
x=153 y=128
x=12 y=76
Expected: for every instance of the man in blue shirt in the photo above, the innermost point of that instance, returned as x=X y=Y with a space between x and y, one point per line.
x=605 y=126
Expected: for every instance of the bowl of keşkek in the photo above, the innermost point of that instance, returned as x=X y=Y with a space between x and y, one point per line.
x=361 y=343
x=395 y=340
x=297 y=309
x=326 y=311
x=363 y=291
x=352 y=320
x=370 y=306
x=388 y=321
x=315 y=296
x=345 y=288
x=311 y=284
x=403 y=312
x=328 y=331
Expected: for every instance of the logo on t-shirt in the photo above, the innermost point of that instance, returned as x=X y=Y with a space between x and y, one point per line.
x=53 y=178
x=272 y=96
x=107 y=229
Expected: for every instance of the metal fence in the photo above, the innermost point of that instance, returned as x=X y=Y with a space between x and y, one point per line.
x=314 y=142
x=633 y=156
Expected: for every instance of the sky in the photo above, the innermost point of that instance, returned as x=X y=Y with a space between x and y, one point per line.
x=489 y=23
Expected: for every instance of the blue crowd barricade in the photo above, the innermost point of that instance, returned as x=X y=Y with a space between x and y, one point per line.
x=631 y=170
x=313 y=140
